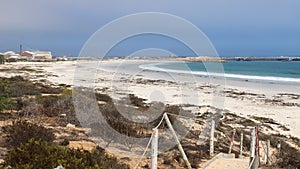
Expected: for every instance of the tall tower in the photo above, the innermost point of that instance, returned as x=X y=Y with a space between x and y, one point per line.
x=21 y=50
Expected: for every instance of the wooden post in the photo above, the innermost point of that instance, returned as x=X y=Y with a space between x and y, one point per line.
x=265 y=155
x=154 y=149
x=253 y=164
x=268 y=153
x=187 y=163
x=257 y=146
x=252 y=147
x=211 y=139
x=241 y=145
x=231 y=141
x=278 y=146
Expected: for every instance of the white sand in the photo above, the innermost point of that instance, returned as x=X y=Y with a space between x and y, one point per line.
x=120 y=76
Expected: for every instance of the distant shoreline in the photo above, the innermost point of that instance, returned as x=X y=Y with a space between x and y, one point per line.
x=263 y=59
x=166 y=58
x=192 y=58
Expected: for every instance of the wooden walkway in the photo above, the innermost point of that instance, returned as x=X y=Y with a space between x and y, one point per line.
x=226 y=161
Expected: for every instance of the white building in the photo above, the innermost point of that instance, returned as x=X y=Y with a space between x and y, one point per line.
x=27 y=55
x=11 y=55
x=42 y=55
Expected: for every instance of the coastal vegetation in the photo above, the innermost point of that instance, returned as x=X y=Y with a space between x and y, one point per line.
x=36 y=135
x=29 y=143
x=42 y=154
x=5 y=102
x=20 y=132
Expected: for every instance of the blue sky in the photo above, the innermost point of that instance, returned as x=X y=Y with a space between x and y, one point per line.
x=235 y=27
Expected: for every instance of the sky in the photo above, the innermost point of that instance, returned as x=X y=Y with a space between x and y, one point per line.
x=235 y=27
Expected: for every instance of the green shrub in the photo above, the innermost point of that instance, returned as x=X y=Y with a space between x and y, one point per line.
x=136 y=101
x=5 y=102
x=103 y=97
x=53 y=106
x=22 y=131
x=288 y=156
x=17 y=86
x=65 y=105
x=38 y=154
x=47 y=101
x=117 y=120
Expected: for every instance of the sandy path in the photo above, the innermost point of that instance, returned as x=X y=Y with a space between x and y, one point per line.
x=225 y=163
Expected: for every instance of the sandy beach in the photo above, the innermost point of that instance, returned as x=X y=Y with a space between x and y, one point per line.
x=276 y=101
x=119 y=78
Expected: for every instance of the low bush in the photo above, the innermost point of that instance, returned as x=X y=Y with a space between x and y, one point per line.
x=136 y=101
x=103 y=97
x=17 y=86
x=288 y=157
x=40 y=154
x=54 y=105
x=117 y=121
x=21 y=131
x=5 y=102
x=65 y=105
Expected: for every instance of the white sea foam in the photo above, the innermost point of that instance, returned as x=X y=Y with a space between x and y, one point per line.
x=154 y=67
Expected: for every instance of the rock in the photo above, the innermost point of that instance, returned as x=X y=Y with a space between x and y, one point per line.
x=86 y=145
x=60 y=167
x=63 y=115
x=71 y=126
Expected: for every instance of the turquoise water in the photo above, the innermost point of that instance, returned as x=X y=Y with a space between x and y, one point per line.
x=259 y=68
x=250 y=70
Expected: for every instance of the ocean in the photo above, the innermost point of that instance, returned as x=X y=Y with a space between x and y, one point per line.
x=266 y=71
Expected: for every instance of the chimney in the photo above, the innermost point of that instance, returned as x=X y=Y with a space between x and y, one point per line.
x=21 y=50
